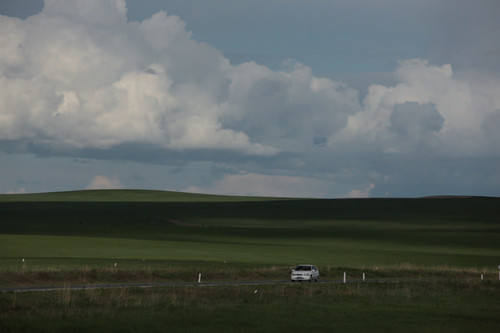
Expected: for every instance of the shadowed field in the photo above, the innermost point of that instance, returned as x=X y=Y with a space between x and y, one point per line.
x=440 y=231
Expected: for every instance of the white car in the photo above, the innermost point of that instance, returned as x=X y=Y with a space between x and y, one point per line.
x=305 y=273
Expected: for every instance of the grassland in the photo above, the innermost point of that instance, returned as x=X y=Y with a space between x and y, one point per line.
x=429 y=232
x=449 y=306
x=77 y=237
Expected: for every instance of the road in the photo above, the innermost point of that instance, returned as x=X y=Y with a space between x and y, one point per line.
x=192 y=284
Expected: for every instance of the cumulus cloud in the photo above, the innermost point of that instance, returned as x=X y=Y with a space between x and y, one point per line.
x=19 y=191
x=290 y=110
x=79 y=78
x=363 y=193
x=428 y=107
x=253 y=184
x=78 y=74
x=416 y=124
x=411 y=119
x=101 y=182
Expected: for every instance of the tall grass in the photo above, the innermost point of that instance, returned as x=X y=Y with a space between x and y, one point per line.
x=422 y=306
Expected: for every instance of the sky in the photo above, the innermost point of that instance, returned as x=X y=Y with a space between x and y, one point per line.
x=294 y=98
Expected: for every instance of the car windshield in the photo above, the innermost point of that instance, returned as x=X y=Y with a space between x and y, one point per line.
x=303 y=268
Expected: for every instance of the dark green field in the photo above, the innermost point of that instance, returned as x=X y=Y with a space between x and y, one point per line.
x=75 y=237
x=162 y=226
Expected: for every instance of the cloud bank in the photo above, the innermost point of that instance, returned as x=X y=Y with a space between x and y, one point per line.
x=79 y=77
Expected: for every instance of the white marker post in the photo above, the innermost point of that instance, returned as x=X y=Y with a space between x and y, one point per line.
x=199 y=278
x=344 y=277
x=363 y=276
x=482 y=278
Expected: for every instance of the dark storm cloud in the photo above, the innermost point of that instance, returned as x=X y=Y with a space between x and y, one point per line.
x=412 y=119
x=21 y=9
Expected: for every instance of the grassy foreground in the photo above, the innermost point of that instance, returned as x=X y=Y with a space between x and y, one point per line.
x=149 y=236
x=450 y=306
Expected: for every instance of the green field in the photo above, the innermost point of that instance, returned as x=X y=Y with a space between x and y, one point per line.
x=162 y=226
x=77 y=237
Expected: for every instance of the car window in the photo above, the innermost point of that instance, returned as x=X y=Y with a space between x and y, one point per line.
x=303 y=268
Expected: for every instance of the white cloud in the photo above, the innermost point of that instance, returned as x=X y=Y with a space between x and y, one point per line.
x=101 y=182
x=19 y=191
x=253 y=184
x=461 y=103
x=79 y=75
x=84 y=77
x=363 y=193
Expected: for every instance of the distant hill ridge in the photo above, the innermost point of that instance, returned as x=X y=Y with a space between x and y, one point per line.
x=129 y=196
x=451 y=197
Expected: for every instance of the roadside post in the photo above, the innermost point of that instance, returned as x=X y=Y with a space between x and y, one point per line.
x=363 y=276
x=344 y=277
x=199 y=278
